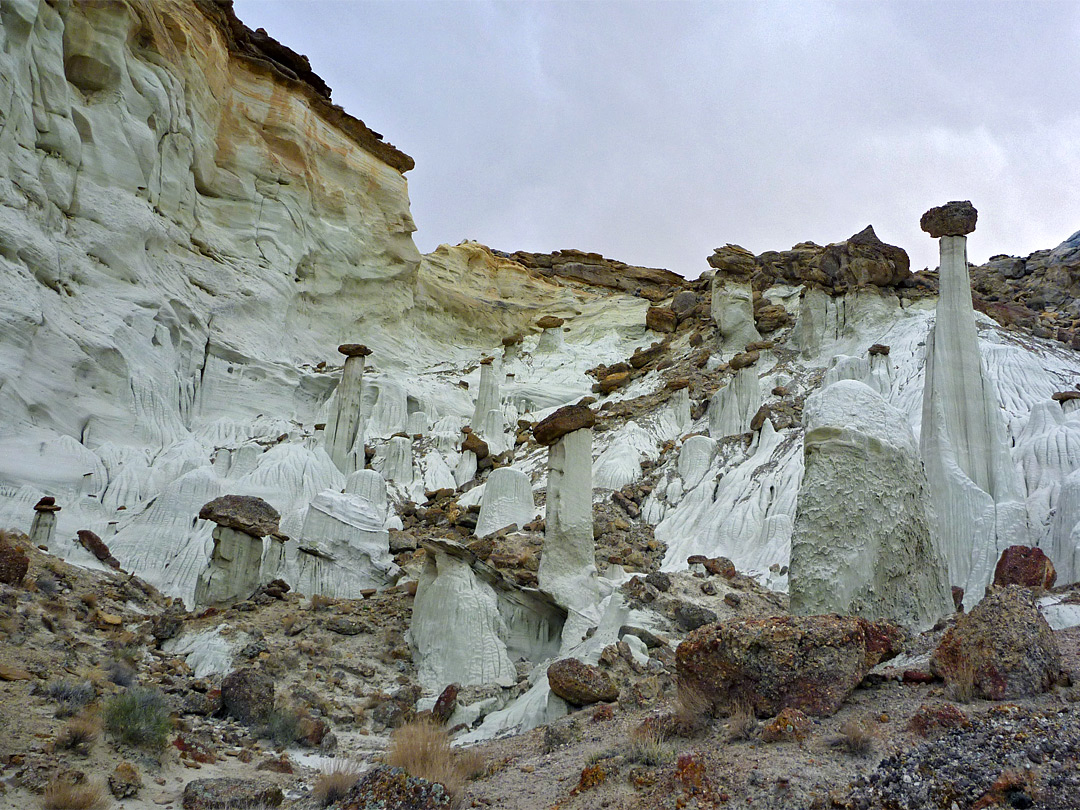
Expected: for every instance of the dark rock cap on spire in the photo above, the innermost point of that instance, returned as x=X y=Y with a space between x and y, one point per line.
x=956 y=218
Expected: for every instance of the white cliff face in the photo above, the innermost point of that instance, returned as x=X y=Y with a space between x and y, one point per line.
x=734 y=405
x=507 y=500
x=976 y=487
x=862 y=540
x=733 y=313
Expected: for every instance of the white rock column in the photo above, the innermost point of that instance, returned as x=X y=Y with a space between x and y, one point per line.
x=976 y=487
x=233 y=574
x=733 y=406
x=43 y=529
x=487 y=398
x=568 y=564
x=344 y=423
x=397 y=463
x=508 y=499
x=862 y=542
x=733 y=312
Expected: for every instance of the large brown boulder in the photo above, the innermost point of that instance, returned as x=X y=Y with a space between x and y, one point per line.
x=1004 y=646
x=1024 y=566
x=473 y=443
x=956 y=218
x=354 y=350
x=245 y=513
x=811 y=663
x=565 y=420
x=96 y=546
x=13 y=562
x=661 y=319
x=248 y=695
x=579 y=683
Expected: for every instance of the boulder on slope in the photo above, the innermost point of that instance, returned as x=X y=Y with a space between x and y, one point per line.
x=811 y=663
x=245 y=513
x=580 y=683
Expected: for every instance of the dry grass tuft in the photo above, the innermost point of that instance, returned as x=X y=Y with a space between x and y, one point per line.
x=742 y=722
x=423 y=750
x=692 y=710
x=960 y=681
x=80 y=733
x=856 y=737
x=64 y=795
x=332 y=785
x=647 y=747
x=320 y=602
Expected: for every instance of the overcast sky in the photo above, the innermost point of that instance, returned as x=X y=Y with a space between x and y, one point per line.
x=653 y=132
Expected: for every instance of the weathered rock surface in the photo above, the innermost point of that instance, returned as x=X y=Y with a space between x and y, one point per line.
x=1026 y=567
x=248 y=695
x=13 y=562
x=732 y=311
x=508 y=500
x=227 y=793
x=1004 y=645
x=955 y=218
x=393 y=789
x=595 y=269
x=661 y=319
x=565 y=420
x=245 y=513
x=862 y=542
x=96 y=546
x=234 y=570
x=811 y=663
x=580 y=683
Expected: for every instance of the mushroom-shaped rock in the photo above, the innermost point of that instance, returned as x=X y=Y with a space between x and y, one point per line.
x=579 y=683
x=565 y=420
x=46 y=504
x=1005 y=643
x=245 y=513
x=1025 y=566
x=512 y=340
x=354 y=350
x=550 y=322
x=811 y=663
x=744 y=359
x=955 y=218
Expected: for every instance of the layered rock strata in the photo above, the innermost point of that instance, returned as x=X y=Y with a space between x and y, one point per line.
x=862 y=542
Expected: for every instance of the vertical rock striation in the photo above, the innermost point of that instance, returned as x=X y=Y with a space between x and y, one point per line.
x=344 y=433
x=976 y=489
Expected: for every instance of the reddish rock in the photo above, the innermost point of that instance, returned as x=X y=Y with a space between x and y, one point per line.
x=878 y=348
x=565 y=420
x=758 y=421
x=642 y=357
x=580 y=683
x=661 y=319
x=930 y=717
x=771 y=317
x=955 y=218
x=744 y=359
x=811 y=663
x=1065 y=396
x=917 y=676
x=46 y=504
x=613 y=381
x=393 y=789
x=958 y=598
x=354 y=350
x=245 y=513
x=445 y=706
x=717 y=566
x=1003 y=645
x=96 y=546
x=13 y=562
x=1025 y=566
x=790 y=724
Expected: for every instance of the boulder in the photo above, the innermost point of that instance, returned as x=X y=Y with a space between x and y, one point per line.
x=474 y=444
x=683 y=303
x=1024 y=566
x=744 y=359
x=96 y=546
x=811 y=663
x=771 y=317
x=13 y=562
x=124 y=781
x=550 y=322
x=245 y=513
x=354 y=350
x=565 y=420
x=716 y=566
x=579 y=683
x=661 y=319
x=733 y=260
x=445 y=705
x=1004 y=644
x=226 y=793
x=789 y=725
x=690 y=616
x=247 y=695
x=955 y=218
x=611 y=382
x=393 y=789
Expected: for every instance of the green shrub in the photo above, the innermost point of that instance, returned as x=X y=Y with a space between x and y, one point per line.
x=139 y=717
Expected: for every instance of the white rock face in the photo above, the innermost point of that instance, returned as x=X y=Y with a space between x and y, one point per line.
x=695 y=458
x=733 y=407
x=568 y=565
x=508 y=499
x=344 y=427
x=862 y=539
x=976 y=487
x=235 y=564
x=487 y=399
x=733 y=313
x=396 y=463
x=620 y=463
x=43 y=530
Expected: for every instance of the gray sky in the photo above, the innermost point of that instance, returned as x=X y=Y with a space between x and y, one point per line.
x=653 y=132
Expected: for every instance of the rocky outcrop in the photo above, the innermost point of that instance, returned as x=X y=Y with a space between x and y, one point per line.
x=1003 y=647
x=579 y=683
x=956 y=218
x=393 y=789
x=222 y=793
x=811 y=663
x=236 y=561
x=245 y=513
x=733 y=308
x=861 y=260
x=592 y=268
x=13 y=560
x=862 y=543
x=507 y=501
x=976 y=488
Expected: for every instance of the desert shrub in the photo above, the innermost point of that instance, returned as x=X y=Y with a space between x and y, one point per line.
x=856 y=737
x=139 y=717
x=121 y=673
x=333 y=784
x=742 y=722
x=282 y=726
x=423 y=750
x=70 y=696
x=61 y=794
x=647 y=747
x=80 y=733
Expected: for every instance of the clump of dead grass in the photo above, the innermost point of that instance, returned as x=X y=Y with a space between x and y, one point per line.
x=960 y=681
x=80 y=733
x=333 y=784
x=742 y=722
x=692 y=710
x=423 y=750
x=856 y=737
x=647 y=747
x=62 y=794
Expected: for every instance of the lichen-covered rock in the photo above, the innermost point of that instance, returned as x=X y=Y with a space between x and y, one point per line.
x=227 y=793
x=169 y=622
x=248 y=695
x=245 y=513
x=1024 y=566
x=445 y=705
x=565 y=420
x=811 y=663
x=393 y=789
x=661 y=319
x=1004 y=644
x=124 y=781
x=580 y=683
x=955 y=218
x=13 y=562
